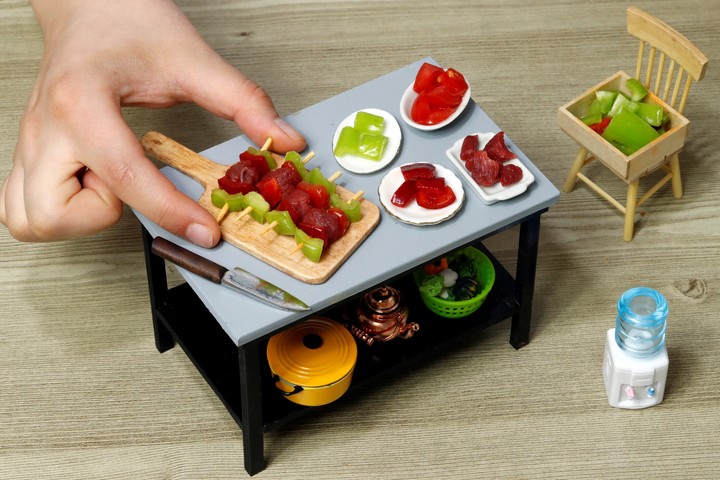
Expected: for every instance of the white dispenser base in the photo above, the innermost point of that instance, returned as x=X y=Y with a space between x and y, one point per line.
x=633 y=382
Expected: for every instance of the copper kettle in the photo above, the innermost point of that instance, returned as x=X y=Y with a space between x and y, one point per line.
x=381 y=315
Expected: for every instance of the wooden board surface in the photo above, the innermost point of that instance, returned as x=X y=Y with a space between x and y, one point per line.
x=246 y=233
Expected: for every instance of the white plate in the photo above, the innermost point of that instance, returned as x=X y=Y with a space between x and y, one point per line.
x=357 y=164
x=406 y=103
x=497 y=192
x=414 y=213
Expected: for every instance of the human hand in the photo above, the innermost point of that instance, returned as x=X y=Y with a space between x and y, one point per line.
x=76 y=161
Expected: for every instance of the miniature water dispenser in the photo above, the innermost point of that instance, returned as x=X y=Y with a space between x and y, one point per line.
x=636 y=360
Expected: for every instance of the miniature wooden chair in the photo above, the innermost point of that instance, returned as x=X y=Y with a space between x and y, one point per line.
x=659 y=45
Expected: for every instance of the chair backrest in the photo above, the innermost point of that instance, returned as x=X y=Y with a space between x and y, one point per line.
x=658 y=38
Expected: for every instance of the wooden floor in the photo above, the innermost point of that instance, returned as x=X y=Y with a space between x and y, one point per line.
x=84 y=393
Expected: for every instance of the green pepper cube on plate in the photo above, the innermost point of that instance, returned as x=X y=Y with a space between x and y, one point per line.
x=369 y=122
x=348 y=142
x=372 y=146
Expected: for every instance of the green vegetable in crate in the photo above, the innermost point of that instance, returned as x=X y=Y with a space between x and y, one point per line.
x=629 y=133
x=465 y=288
x=637 y=89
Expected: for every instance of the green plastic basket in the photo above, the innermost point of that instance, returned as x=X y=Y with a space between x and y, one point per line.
x=462 y=308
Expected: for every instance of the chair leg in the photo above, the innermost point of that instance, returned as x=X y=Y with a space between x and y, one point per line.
x=630 y=210
x=674 y=165
x=575 y=169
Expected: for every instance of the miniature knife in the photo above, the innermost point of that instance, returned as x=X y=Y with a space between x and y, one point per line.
x=236 y=279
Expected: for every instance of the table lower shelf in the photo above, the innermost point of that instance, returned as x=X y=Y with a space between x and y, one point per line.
x=216 y=356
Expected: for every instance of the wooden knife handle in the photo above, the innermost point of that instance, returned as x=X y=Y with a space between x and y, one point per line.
x=188 y=260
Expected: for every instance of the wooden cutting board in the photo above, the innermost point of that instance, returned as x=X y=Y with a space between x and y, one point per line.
x=246 y=234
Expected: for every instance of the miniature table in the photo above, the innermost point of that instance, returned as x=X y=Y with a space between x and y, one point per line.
x=225 y=334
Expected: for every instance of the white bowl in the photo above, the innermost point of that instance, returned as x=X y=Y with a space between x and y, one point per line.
x=406 y=103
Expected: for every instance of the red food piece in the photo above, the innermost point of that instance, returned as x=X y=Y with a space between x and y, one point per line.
x=234 y=186
x=427 y=76
x=510 y=174
x=404 y=194
x=600 y=127
x=435 y=184
x=270 y=189
x=454 y=81
x=434 y=200
x=497 y=150
x=484 y=170
x=439 y=115
x=440 y=96
x=244 y=171
x=343 y=220
x=319 y=223
x=420 y=111
x=286 y=177
x=470 y=144
x=413 y=171
x=257 y=161
x=319 y=196
x=296 y=203
x=315 y=231
x=295 y=178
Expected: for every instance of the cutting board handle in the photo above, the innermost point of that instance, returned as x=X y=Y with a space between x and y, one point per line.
x=183 y=159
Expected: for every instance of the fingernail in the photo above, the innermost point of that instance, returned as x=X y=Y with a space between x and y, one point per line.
x=199 y=235
x=289 y=130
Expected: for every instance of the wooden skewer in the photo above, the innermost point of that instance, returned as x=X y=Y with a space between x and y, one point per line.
x=297 y=248
x=334 y=176
x=267 y=144
x=308 y=157
x=270 y=226
x=224 y=210
x=357 y=196
x=222 y=213
x=243 y=213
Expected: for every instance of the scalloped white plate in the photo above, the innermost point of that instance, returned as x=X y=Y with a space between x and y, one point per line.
x=497 y=192
x=406 y=103
x=415 y=214
x=356 y=164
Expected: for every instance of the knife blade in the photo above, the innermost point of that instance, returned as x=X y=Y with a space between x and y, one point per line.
x=237 y=279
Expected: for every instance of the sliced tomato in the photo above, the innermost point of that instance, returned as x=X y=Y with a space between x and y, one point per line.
x=434 y=200
x=427 y=75
x=234 y=186
x=438 y=115
x=420 y=111
x=454 y=81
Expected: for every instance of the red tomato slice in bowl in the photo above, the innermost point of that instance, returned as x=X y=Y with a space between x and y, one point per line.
x=427 y=76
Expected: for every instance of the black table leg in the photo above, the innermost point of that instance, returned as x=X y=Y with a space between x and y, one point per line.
x=525 y=280
x=157 y=283
x=252 y=411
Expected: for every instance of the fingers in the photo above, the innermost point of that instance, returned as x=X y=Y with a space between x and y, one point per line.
x=228 y=93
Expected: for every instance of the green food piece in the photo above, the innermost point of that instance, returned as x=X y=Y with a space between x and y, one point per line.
x=317 y=178
x=312 y=247
x=352 y=209
x=371 y=146
x=605 y=99
x=259 y=206
x=431 y=285
x=268 y=156
x=463 y=264
x=637 y=89
x=593 y=114
x=348 y=142
x=652 y=114
x=629 y=132
x=285 y=225
x=296 y=159
x=219 y=197
x=622 y=103
x=367 y=122
x=465 y=288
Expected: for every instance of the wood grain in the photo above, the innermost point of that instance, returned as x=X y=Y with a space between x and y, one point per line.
x=253 y=237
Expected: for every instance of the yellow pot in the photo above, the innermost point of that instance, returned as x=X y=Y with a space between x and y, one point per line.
x=312 y=363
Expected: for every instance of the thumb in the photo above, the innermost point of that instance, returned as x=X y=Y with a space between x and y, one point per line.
x=228 y=93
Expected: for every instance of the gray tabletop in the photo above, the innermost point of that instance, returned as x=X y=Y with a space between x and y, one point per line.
x=393 y=247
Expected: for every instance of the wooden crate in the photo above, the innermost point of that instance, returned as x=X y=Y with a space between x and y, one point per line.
x=648 y=158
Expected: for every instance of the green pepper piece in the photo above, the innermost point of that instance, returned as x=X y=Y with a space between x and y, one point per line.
x=367 y=122
x=296 y=159
x=285 y=225
x=348 y=142
x=258 y=204
x=652 y=114
x=593 y=114
x=622 y=103
x=606 y=99
x=630 y=132
x=352 y=209
x=235 y=202
x=316 y=178
x=268 y=156
x=219 y=197
x=312 y=247
x=372 y=146
x=637 y=89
